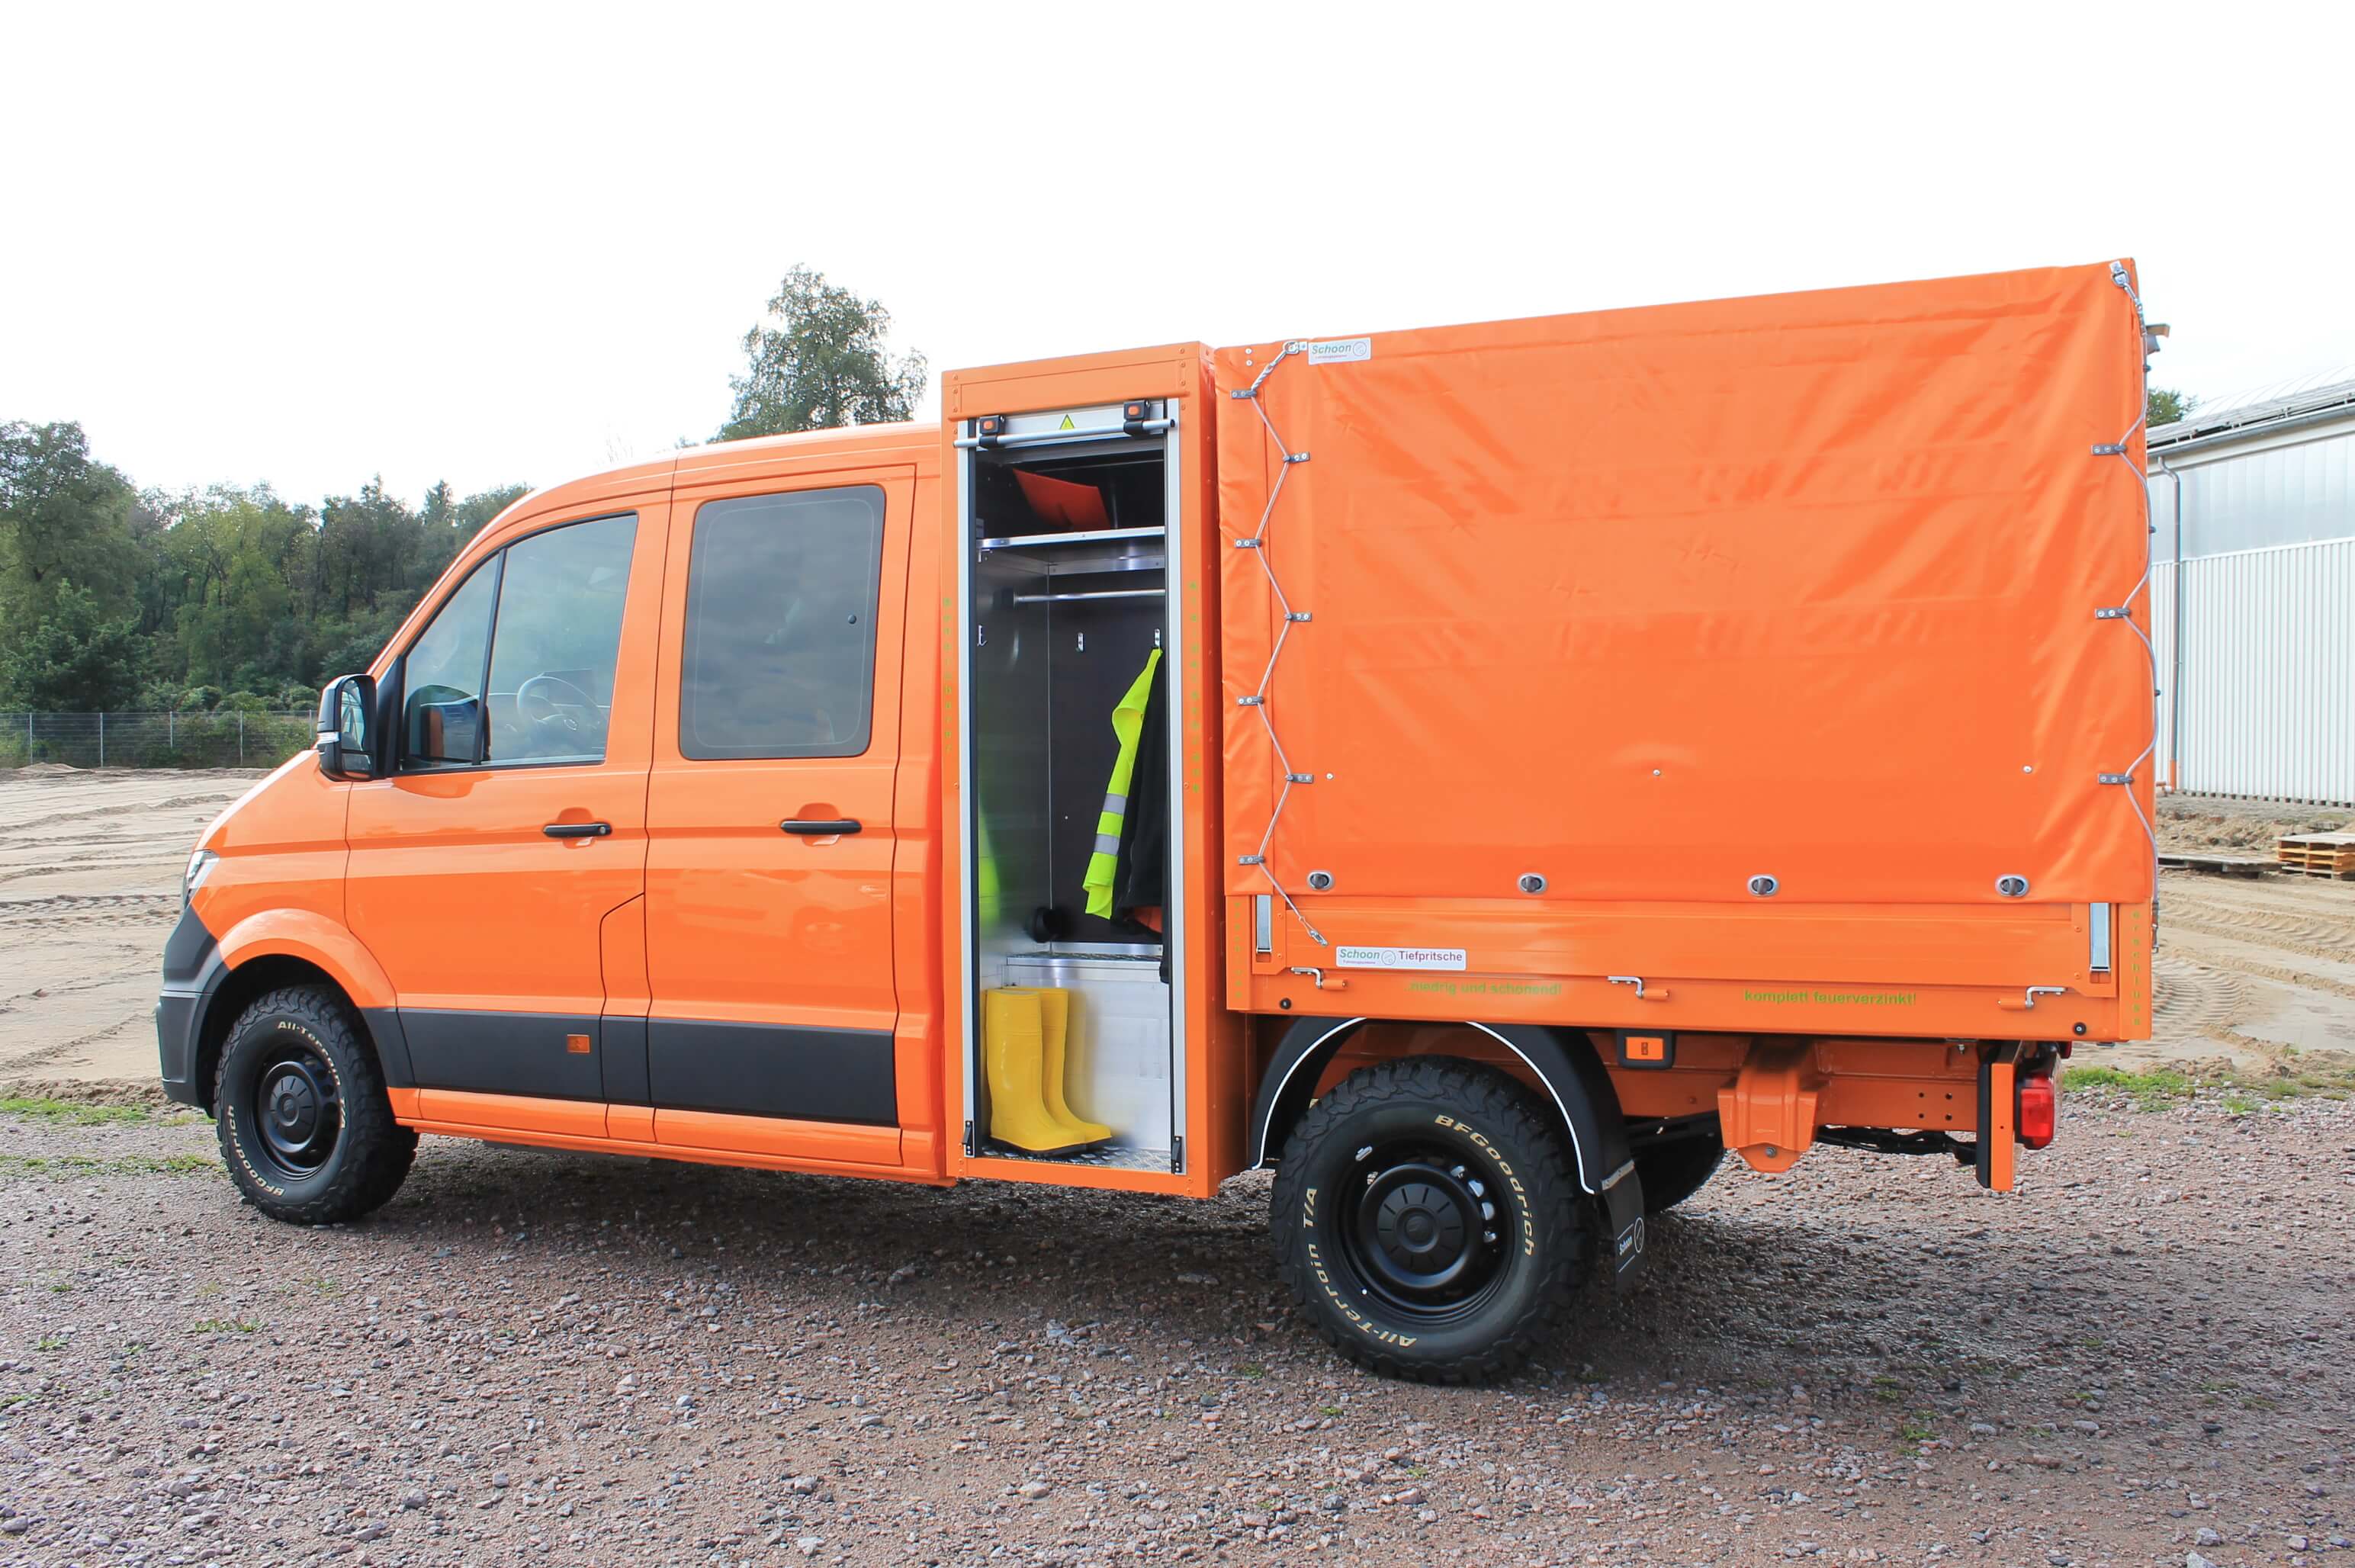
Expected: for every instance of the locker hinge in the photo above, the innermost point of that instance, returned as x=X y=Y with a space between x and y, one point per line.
x=970 y=1151
x=1178 y=1153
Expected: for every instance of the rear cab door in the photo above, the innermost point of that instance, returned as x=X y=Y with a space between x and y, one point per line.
x=769 y=933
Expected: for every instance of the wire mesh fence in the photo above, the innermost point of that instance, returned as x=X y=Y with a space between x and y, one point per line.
x=155 y=739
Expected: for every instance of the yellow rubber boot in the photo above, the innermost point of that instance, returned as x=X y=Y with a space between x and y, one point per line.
x=1013 y=1050
x=1055 y=1021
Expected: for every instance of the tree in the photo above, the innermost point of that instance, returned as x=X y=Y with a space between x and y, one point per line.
x=817 y=361
x=2164 y=405
x=75 y=659
x=63 y=518
x=476 y=510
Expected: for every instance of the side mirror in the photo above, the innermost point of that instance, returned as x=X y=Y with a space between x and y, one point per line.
x=343 y=715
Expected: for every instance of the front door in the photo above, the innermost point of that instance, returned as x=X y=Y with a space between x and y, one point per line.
x=769 y=941
x=481 y=867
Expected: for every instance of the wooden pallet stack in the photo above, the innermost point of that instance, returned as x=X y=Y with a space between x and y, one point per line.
x=2316 y=854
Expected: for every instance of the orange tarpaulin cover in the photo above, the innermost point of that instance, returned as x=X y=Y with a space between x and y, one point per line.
x=1652 y=601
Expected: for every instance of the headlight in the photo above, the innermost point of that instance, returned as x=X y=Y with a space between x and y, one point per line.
x=192 y=877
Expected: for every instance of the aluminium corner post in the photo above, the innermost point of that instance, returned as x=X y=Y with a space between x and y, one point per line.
x=1176 y=562
x=101 y=737
x=968 y=857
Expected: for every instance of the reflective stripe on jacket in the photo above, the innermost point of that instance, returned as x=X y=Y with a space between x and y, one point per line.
x=1128 y=722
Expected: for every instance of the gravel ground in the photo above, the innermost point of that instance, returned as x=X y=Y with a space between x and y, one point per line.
x=2142 y=1355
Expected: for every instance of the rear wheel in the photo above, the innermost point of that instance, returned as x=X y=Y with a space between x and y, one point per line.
x=1674 y=1171
x=305 y=1128
x=1426 y=1222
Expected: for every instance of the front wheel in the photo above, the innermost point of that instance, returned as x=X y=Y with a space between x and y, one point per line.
x=305 y=1128
x=1426 y=1222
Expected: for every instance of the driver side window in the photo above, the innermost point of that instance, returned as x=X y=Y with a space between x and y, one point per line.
x=516 y=667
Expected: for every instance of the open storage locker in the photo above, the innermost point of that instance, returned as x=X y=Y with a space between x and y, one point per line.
x=1069 y=580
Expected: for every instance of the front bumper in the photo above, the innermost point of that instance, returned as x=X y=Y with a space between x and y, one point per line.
x=192 y=973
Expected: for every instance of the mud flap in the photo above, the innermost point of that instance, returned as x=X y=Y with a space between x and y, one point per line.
x=1998 y=1077
x=1623 y=1210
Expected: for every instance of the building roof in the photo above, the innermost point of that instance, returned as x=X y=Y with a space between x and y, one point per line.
x=2268 y=407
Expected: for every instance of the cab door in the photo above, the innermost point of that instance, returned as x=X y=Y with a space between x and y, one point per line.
x=771 y=831
x=484 y=866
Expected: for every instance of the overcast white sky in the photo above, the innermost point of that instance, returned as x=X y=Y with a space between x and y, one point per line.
x=486 y=243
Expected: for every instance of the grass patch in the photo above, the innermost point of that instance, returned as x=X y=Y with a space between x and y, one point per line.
x=2329 y=1076
x=72 y=1110
x=1916 y=1428
x=70 y=1165
x=2151 y=1090
x=225 y=1326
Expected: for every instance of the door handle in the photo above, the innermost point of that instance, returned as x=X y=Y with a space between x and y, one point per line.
x=819 y=827
x=578 y=829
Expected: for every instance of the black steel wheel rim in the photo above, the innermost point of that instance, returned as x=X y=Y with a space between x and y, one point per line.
x=1426 y=1235
x=297 y=1109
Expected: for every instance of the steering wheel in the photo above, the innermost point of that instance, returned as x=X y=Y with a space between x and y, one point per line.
x=537 y=700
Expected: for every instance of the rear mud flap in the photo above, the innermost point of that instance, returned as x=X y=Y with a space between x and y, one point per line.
x=1623 y=1210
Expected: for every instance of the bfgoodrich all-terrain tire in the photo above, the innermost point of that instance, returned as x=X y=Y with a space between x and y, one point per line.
x=1426 y=1221
x=306 y=1128
x=1674 y=1172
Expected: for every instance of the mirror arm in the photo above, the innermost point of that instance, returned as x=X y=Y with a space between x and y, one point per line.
x=385 y=741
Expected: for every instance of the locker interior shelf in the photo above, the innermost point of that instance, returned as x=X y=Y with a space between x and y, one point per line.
x=1076 y=536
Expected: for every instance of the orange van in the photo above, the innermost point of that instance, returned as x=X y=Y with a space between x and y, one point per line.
x=1483 y=773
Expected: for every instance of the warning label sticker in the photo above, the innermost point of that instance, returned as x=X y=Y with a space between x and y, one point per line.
x=1399 y=957
x=1341 y=351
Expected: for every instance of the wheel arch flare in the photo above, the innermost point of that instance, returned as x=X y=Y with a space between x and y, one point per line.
x=1567 y=1072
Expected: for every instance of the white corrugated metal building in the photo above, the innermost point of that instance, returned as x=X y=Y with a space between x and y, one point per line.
x=2252 y=597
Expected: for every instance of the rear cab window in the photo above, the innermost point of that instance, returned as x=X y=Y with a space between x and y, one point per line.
x=779 y=649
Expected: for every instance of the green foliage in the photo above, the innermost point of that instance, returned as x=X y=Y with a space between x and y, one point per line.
x=222 y=600
x=2164 y=405
x=73 y=656
x=64 y=519
x=817 y=361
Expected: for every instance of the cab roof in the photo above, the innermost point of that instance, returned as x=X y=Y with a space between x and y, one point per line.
x=816 y=449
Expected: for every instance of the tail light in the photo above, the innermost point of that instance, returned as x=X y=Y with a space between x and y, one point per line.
x=2039 y=1111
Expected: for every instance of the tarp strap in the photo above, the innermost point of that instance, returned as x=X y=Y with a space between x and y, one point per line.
x=1257 y=544
x=2118 y=449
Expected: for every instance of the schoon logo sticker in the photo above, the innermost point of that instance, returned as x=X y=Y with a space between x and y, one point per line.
x=1340 y=350
x=1399 y=957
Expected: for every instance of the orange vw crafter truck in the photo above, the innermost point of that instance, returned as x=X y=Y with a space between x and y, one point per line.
x=1484 y=773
